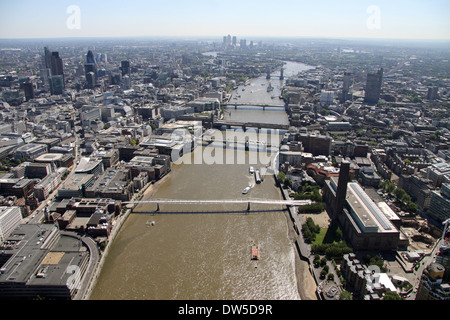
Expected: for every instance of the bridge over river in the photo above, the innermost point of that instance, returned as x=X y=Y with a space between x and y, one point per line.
x=249 y=104
x=248 y=201
x=209 y=122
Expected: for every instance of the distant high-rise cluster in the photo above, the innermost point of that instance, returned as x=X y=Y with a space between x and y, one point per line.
x=231 y=42
x=52 y=71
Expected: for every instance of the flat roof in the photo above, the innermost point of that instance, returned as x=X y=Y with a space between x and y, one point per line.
x=367 y=212
x=76 y=181
x=49 y=157
x=368 y=216
x=26 y=246
x=87 y=164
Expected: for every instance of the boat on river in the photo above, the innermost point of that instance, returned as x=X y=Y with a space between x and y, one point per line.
x=254 y=251
x=257 y=176
x=247 y=189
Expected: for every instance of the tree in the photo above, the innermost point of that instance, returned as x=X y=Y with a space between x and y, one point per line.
x=345 y=295
x=411 y=207
x=400 y=194
x=281 y=176
x=389 y=295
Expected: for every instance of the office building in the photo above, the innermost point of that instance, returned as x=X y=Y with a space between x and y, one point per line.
x=38 y=170
x=90 y=57
x=28 y=89
x=30 y=151
x=90 y=166
x=113 y=183
x=90 y=80
x=419 y=188
x=347 y=82
x=35 y=259
x=47 y=185
x=47 y=58
x=312 y=142
x=10 y=218
x=437 y=173
x=125 y=67
x=56 y=64
x=373 y=87
x=56 y=84
x=439 y=208
x=75 y=186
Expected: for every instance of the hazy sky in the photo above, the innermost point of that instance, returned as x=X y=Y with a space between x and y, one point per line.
x=426 y=19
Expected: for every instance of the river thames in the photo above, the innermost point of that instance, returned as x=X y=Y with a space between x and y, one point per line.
x=202 y=251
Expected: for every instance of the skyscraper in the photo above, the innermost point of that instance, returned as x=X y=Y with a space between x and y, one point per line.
x=56 y=64
x=125 y=67
x=347 y=81
x=47 y=58
x=28 y=90
x=90 y=57
x=373 y=87
x=90 y=80
x=56 y=84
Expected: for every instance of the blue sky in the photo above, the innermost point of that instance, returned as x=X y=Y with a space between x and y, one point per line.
x=245 y=18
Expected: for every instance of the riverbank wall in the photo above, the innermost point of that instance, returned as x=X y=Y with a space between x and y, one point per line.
x=120 y=220
x=307 y=289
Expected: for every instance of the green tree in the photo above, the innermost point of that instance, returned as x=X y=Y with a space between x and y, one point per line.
x=345 y=295
x=281 y=176
x=389 y=295
x=411 y=207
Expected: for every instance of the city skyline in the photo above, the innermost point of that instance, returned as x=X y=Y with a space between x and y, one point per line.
x=343 y=19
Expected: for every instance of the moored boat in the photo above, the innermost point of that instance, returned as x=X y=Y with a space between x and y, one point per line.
x=255 y=251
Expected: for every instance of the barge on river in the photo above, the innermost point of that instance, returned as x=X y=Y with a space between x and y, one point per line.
x=254 y=251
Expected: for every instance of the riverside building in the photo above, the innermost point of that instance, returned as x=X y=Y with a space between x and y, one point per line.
x=35 y=261
x=362 y=221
